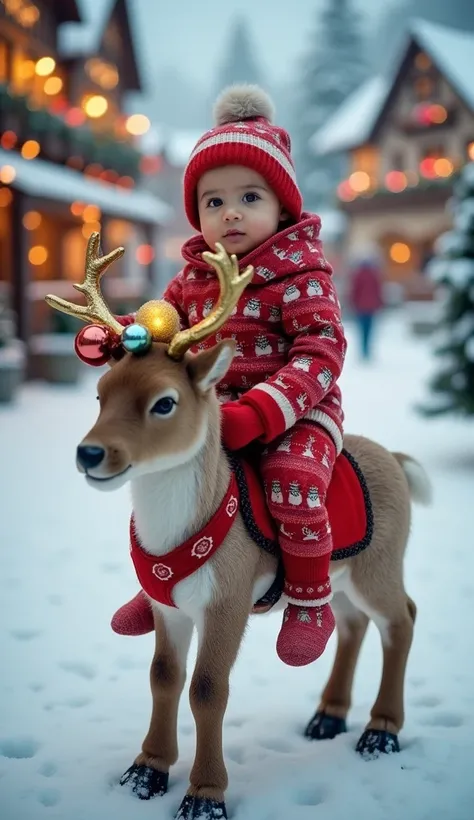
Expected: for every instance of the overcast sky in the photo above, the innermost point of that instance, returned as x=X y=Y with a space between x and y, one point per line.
x=192 y=33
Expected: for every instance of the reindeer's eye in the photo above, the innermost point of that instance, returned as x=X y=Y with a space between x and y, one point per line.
x=164 y=406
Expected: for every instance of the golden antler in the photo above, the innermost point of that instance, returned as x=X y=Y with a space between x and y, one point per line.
x=232 y=285
x=96 y=311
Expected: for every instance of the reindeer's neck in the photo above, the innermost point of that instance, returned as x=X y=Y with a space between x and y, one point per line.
x=170 y=506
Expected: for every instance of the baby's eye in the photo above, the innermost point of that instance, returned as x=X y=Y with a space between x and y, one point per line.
x=250 y=197
x=215 y=202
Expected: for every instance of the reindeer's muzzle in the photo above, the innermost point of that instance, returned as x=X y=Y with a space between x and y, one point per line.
x=89 y=456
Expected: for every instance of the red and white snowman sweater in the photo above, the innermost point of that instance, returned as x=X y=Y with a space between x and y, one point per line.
x=287 y=327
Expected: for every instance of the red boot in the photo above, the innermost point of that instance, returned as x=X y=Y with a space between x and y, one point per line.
x=304 y=633
x=134 y=617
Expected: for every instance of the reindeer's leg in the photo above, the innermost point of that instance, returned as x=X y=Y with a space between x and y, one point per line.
x=387 y=714
x=148 y=775
x=330 y=717
x=220 y=639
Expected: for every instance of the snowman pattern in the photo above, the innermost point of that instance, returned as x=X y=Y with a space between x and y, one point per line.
x=252 y=308
x=303 y=363
x=192 y=312
x=277 y=495
x=309 y=231
x=294 y=495
x=294 y=236
x=291 y=294
x=265 y=273
x=207 y=307
x=191 y=275
x=262 y=346
x=325 y=377
x=312 y=499
x=314 y=288
x=295 y=257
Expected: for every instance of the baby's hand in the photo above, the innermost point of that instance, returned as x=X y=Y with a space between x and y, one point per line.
x=241 y=425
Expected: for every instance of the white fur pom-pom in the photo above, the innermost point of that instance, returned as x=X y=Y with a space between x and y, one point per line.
x=242 y=102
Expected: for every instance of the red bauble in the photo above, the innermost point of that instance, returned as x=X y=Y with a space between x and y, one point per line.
x=92 y=345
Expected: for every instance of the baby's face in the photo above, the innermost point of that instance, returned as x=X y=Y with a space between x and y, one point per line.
x=237 y=208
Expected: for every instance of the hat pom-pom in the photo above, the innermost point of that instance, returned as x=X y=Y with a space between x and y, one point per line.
x=242 y=102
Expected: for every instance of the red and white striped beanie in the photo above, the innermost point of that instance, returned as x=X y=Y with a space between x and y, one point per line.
x=244 y=135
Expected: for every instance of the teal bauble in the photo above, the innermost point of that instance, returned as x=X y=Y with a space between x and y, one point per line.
x=136 y=339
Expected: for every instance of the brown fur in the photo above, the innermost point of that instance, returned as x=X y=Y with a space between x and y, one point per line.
x=368 y=585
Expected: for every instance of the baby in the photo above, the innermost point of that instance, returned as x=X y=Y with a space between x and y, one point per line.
x=240 y=189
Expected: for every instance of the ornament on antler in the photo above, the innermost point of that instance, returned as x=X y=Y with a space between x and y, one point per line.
x=156 y=321
x=160 y=318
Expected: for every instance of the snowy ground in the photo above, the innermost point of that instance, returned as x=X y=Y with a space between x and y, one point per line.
x=74 y=699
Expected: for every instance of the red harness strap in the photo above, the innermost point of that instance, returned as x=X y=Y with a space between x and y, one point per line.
x=158 y=575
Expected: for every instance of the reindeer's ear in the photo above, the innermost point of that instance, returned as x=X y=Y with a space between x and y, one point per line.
x=206 y=369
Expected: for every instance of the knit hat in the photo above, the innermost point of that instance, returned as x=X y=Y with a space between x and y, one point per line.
x=244 y=135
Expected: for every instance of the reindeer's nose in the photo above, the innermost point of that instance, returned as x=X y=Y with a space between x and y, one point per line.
x=90 y=456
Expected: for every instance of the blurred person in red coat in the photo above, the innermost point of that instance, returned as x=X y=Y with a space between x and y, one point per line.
x=365 y=298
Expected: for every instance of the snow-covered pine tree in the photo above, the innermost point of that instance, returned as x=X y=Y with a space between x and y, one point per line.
x=453 y=268
x=239 y=64
x=332 y=68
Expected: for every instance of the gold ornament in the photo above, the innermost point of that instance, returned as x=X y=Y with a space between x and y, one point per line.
x=160 y=318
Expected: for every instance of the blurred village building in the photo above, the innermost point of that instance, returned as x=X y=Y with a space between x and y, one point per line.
x=70 y=161
x=407 y=136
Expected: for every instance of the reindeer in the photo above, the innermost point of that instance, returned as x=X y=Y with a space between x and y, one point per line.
x=159 y=429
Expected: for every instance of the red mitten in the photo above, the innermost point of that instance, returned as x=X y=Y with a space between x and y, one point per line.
x=241 y=424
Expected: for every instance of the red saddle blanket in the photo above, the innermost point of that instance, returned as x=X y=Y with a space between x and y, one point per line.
x=347 y=501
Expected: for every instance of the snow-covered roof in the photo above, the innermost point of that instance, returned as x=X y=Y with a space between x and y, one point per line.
x=45 y=179
x=352 y=124
x=453 y=53
x=85 y=37
x=353 y=121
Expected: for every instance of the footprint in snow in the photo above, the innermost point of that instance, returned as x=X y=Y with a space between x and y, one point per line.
x=18 y=748
x=81 y=669
x=448 y=720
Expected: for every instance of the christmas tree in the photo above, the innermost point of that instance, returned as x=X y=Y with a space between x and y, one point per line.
x=333 y=67
x=239 y=64
x=453 y=269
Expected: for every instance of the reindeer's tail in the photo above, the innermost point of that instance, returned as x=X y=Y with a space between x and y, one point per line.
x=421 y=490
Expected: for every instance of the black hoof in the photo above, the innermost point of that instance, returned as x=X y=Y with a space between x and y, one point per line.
x=201 y=808
x=376 y=742
x=325 y=727
x=145 y=782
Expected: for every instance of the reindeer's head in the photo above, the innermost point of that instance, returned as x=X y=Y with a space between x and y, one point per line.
x=155 y=407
